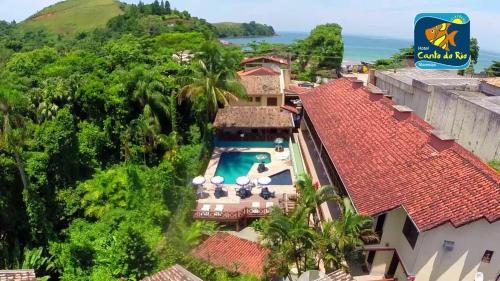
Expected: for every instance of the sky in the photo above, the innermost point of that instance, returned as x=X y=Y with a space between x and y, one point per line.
x=389 y=18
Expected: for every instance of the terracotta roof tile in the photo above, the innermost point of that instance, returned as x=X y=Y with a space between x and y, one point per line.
x=233 y=253
x=17 y=275
x=297 y=90
x=261 y=85
x=258 y=71
x=276 y=59
x=253 y=117
x=173 y=273
x=386 y=162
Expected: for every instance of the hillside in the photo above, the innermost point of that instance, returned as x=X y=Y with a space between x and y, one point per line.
x=234 y=29
x=74 y=15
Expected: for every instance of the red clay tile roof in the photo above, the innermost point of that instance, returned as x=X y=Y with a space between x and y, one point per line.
x=261 y=84
x=17 y=275
x=173 y=273
x=233 y=253
x=263 y=70
x=290 y=108
x=385 y=163
x=297 y=90
x=277 y=59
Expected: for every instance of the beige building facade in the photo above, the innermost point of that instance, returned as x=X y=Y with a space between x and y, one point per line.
x=265 y=79
x=440 y=254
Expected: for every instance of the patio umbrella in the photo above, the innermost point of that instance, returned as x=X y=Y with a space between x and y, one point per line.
x=199 y=180
x=217 y=180
x=261 y=157
x=242 y=180
x=264 y=180
x=278 y=141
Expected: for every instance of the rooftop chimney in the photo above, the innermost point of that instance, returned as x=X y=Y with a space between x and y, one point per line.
x=441 y=140
x=375 y=92
x=402 y=112
x=356 y=84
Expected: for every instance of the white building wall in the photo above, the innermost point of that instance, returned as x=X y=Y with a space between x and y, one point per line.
x=429 y=261
x=471 y=241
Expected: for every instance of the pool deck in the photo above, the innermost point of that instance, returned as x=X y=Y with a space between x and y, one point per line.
x=232 y=202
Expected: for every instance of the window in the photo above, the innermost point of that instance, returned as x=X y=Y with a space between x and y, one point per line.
x=379 y=227
x=257 y=99
x=272 y=101
x=410 y=232
x=250 y=99
x=487 y=256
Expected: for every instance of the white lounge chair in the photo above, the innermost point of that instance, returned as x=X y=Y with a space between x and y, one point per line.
x=218 y=210
x=205 y=209
x=269 y=205
x=285 y=155
x=255 y=208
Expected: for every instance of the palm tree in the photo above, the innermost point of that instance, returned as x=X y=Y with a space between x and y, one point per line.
x=148 y=130
x=339 y=239
x=148 y=90
x=12 y=135
x=214 y=81
x=311 y=197
x=290 y=238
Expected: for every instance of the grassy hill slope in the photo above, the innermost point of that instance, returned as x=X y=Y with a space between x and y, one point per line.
x=74 y=15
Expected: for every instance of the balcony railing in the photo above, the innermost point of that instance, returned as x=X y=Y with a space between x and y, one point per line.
x=231 y=215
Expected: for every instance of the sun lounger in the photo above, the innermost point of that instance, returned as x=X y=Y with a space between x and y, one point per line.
x=218 y=210
x=269 y=205
x=285 y=155
x=255 y=208
x=205 y=209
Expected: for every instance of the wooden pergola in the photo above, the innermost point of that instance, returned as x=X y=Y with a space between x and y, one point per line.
x=253 y=123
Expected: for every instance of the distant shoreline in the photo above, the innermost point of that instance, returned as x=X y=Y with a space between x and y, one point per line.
x=248 y=37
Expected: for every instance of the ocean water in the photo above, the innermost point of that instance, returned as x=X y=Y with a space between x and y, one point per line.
x=363 y=47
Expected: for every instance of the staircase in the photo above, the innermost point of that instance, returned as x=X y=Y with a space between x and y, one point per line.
x=288 y=202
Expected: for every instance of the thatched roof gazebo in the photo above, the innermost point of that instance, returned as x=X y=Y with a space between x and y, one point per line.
x=253 y=122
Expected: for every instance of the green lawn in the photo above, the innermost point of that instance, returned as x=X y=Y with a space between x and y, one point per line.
x=74 y=15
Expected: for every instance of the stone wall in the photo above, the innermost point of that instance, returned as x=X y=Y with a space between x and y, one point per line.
x=473 y=120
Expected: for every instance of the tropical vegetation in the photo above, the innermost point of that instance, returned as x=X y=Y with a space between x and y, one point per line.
x=234 y=29
x=98 y=143
x=494 y=69
x=299 y=242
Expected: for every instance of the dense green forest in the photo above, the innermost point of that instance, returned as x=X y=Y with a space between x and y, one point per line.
x=233 y=29
x=100 y=133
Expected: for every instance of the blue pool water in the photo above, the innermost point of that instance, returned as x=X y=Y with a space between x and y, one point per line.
x=236 y=164
x=282 y=178
x=268 y=144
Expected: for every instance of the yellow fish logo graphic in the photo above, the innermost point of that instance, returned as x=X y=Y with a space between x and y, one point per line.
x=439 y=36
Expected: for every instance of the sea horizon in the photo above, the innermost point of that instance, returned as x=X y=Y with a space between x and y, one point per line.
x=361 y=47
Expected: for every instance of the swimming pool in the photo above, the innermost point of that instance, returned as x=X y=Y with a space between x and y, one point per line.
x=235 y=164
x=268 y=144
x=282 y=178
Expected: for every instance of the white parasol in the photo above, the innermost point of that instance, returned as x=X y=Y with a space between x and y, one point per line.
x=217 y=180
x=198 y=180
x=264 y=180
x=242 y=180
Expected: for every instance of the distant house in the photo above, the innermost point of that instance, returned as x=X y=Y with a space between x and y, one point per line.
x=17 y=275
x=266 y=78
x=173 y=273
x=263 y=87
x=276 y=63
x=233 y=253
x=435 y=205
